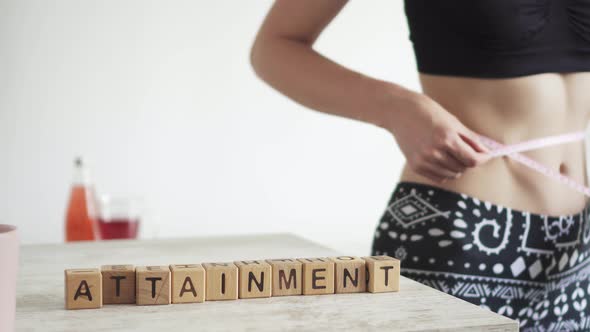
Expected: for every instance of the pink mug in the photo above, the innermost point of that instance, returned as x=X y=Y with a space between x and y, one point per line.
x=8 y=271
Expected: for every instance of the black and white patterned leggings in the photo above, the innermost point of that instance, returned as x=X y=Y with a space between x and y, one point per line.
x=529 y=267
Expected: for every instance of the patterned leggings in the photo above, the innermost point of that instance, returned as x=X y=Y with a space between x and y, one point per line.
x=529 y=267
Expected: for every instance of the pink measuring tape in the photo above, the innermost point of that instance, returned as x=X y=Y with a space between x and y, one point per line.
x=512 y=151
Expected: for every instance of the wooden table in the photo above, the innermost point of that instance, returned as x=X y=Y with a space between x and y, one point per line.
x=416 y=307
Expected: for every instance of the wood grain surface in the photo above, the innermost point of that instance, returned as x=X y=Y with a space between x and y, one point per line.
x=416 y=307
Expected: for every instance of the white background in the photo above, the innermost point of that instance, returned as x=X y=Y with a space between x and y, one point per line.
x=160 y=99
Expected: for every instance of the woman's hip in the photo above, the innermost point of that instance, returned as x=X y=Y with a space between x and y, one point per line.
x=525 y=266
x=438 y=230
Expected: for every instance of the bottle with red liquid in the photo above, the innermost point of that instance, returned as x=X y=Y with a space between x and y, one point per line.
x=81 y=224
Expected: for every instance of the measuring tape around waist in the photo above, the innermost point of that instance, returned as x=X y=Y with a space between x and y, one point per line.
x=512 y=151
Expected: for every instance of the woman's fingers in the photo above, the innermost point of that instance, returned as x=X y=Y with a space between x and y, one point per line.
x=438 y=171
x=451 y=154
x=472 y=139
x=467 y=155
x=432 y=176
x=444 y=159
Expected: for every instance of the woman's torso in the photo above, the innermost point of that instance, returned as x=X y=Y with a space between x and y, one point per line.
x=513 y=110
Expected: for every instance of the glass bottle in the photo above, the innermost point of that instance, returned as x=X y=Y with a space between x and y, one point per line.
x=80 y=220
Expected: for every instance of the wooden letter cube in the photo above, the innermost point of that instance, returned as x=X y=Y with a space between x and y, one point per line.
x=222 y=281
x=118 y=284
x=255 y=279
x=318 y=276
x=382 y=274
x=350 y=274
x=286 y=277
x=152 y=285
x=83 y=288
x=188 y=283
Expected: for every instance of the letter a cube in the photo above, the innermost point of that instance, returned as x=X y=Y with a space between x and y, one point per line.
x=188 y=283
x=83 y=288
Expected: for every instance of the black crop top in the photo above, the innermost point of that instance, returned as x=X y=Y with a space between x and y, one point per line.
x=499 y=38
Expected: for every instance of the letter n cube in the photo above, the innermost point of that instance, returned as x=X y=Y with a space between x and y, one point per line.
x=255 y=279
x=349 y=272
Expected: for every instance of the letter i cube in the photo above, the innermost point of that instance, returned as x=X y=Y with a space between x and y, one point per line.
x=222 y=281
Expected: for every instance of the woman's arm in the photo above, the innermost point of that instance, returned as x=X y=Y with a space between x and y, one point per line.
x=282 y=55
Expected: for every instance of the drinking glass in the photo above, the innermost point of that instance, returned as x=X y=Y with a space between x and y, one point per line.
x=119 y=217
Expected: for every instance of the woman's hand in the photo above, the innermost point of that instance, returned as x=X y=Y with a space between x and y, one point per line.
x=435 y=143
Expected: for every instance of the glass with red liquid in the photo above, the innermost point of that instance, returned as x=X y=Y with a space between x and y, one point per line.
x=119 y=217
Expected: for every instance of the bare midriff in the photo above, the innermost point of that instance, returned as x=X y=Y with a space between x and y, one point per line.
x=510 y=111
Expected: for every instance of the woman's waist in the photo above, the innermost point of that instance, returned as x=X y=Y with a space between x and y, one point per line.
x=513 y=111
x=511 y=124
x=518 y=109
x=505 y=182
